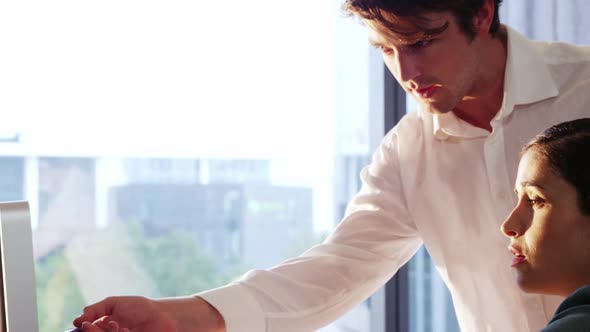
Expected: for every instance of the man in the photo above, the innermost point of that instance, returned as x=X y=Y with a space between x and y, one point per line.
x=443 y=177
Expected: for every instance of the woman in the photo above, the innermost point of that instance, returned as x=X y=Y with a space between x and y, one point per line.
x=549 y=229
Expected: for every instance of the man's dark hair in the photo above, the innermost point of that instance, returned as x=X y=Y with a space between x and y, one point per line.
x=387 y=12
x=566 y=146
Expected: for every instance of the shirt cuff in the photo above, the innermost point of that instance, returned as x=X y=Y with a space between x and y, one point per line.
x=238 y=308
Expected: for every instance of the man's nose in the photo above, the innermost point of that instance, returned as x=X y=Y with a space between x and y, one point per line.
x=408 y=69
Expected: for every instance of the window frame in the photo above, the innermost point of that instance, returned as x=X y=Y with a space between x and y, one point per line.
x=390 y=305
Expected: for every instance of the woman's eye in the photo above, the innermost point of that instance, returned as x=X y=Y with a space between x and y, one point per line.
x=535 y=201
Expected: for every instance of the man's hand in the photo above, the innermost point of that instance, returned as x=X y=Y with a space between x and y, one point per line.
x=135 y=313
x=111 y=326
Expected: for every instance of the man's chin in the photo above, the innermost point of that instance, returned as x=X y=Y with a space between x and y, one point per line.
x=435 y=109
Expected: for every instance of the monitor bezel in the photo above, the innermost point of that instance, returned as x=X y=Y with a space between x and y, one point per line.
x=19 y=291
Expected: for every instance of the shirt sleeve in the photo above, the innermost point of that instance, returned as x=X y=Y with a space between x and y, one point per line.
x=375 y=238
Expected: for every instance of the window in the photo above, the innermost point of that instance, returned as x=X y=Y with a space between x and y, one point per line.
x=166 y=146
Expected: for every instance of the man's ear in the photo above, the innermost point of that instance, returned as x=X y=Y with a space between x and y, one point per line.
x=482 y=21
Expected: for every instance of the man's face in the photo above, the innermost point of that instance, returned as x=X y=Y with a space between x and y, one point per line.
x=439 y=71
x=548 y=231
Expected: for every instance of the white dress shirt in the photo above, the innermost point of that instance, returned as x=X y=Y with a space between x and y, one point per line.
x=435 y=180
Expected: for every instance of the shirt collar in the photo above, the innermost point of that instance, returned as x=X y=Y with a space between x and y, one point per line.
x=580 y=297
x=526 y=80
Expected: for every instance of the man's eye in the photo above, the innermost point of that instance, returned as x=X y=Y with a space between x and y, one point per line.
x=385 y=50
x=419 y=45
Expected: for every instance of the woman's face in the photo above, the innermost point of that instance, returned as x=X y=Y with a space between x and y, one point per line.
x=549 y=234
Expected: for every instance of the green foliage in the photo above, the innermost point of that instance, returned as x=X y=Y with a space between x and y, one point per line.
x=58 y=296
x=177 y=264
x=173 y=260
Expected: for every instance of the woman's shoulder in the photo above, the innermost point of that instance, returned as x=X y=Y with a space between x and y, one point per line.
x=572 y=320
x=573 y=314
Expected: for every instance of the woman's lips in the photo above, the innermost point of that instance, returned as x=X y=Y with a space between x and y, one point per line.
x=426 y=92
x=518 y=256
x=517 y=260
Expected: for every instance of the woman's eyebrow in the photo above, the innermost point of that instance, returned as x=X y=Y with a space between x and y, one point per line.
x=531 y=184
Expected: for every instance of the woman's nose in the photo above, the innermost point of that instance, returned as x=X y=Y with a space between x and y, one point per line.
x=511 y=227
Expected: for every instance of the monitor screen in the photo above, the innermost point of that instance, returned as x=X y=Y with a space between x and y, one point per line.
x=19 y=298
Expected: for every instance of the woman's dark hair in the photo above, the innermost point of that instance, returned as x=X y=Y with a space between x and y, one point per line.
x=387 y=11
x=566 y=146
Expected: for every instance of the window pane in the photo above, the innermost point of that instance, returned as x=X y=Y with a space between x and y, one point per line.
x=168 y=147
x=431 y=306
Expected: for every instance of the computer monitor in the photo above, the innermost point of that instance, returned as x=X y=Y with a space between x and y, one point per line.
x=18 y=312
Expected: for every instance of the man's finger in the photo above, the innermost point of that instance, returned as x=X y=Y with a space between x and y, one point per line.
x=96 y=311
